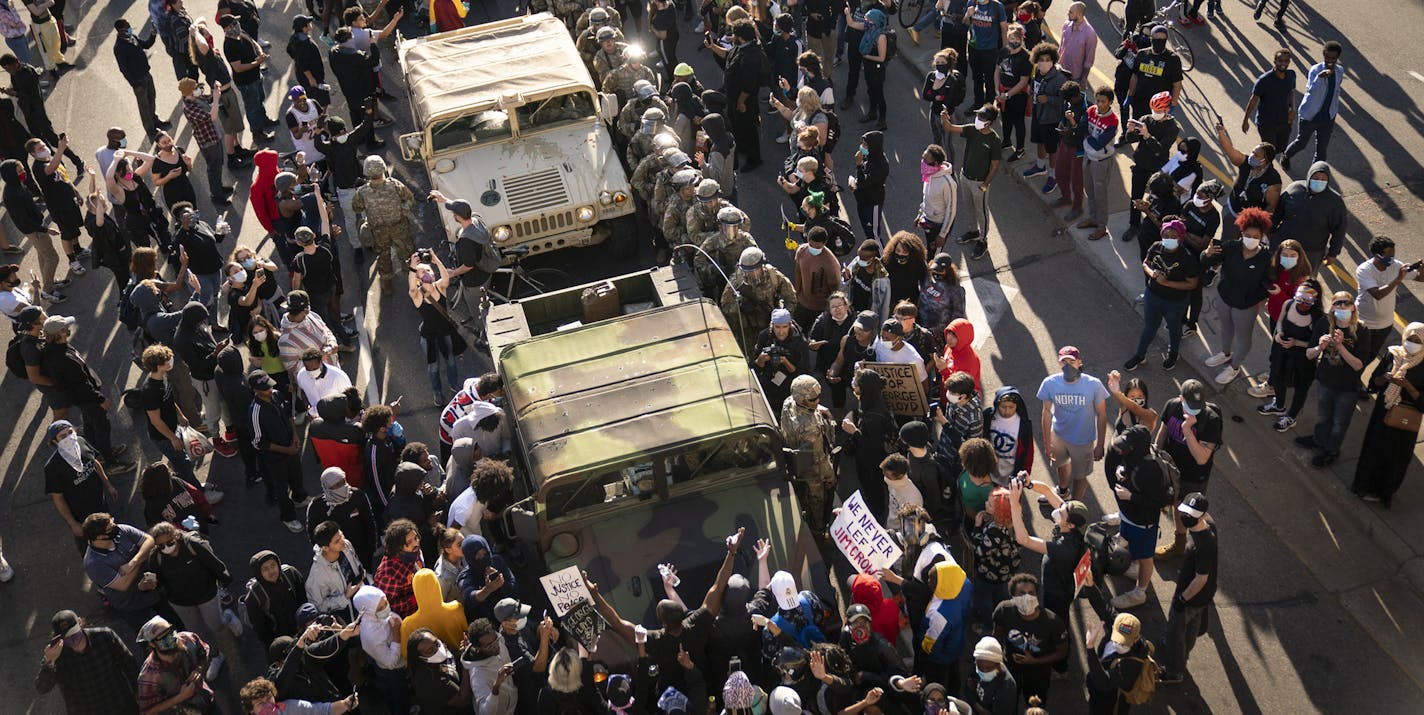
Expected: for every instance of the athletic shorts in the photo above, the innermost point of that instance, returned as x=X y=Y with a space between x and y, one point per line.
x=1081 y=457
x=1141 y=542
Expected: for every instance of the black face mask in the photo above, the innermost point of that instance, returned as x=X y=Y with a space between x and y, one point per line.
x=1159 y=44
x=944 y=69
x=1188 y=520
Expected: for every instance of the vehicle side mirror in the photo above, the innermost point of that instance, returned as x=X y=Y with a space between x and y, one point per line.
x=521 y=521
x=412 y=146
x=608 y=108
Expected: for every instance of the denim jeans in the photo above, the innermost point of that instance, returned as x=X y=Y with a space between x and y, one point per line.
x=1156 y=309
x=178 y=461
x=348 y=217
x=208 y=285
x=254 y=100
x=438 y=349
x=1320 y=130
x=20 y=47
x=985 y=597
x=1184 y=623
x=1334 y=409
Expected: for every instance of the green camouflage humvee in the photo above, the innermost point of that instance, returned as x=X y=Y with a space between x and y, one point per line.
x=644 y=439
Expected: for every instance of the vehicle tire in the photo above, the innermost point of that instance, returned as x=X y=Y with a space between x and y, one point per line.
x=1117 y=15
x=910 y=11
x=1178 y=42
x=541 y=280
x=625 y=235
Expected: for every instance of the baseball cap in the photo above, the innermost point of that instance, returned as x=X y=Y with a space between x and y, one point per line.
x=784 y=701
x=154 y=629
x=783 y=588
x=306 y=613
x=28 y=315
x=301 y=21
x=297 y=90
x=63 y=622
x=1194 y=505
x=227 y=21
x=893 y=327
x=304 y=236
x=508 y=608
x=865 y=320
x=941 y=262
x=56 y=427
x=1158 y=28
x=1194 y=394
x=644 y=89
x=620 y=689
x=781 y=316
x=1077 y=512
x=297 y=301
x=915 y=434
x=56 y=323
x=1068 y=351
x=460 y=208
x=259 y=380
x=1126 y=629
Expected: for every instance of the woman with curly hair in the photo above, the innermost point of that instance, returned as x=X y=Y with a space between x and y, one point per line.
x=908 y=266
x=1245 y=281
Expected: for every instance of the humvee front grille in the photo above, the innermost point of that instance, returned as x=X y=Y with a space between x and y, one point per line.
x=544 y=224
x=537 y=191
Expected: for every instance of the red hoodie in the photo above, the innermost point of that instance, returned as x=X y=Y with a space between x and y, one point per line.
x=884 y=612
x=261 y=194
x=961 y=357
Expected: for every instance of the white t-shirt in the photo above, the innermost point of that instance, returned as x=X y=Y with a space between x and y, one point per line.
x=315 y=388
x=466 y=511
x=902 y=492
x=1376 y=313
x=907 y=354
x=13 y=301
x=1004 y=435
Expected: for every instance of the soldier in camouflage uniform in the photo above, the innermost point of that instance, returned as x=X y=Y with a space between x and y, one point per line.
x=566 y=10
x=586 y=41
x=808 y=430
x=652 y=124
x=611 y=17
x=645 y=175
x=702 y=214
x=674 y=226
x=723 y=248
x=644 y=97
x=384 y=204
x=677 y=160
x=609 y=54
x=757 y=288
x=620 y=81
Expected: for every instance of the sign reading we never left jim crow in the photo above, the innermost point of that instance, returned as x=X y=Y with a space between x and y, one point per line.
x=860 y=537
x=904 y=388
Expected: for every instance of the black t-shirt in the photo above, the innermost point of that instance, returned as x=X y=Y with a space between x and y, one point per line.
x=469 y=249
x=202 y=246
x=1208 y=430
x=666 y=21
x=1332 y=371
x=243 y=49
x=1013 y=66
x=696 y=632
x=1156 y=73
x=1060 y=558
x=1200 y=558
x=158 y=395
x=82 y=490
x=1042 y=635
x=1179 y=265
x=317 y=270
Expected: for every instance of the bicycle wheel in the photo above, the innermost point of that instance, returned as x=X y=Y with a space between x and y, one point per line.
x=540 y=280
x=1117 y=15
x=1179 y=45
x=910 y=11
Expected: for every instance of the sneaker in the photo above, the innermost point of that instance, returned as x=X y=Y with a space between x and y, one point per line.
x=1218 y=360
x=967 y=238
x=1284 y=422
x=1169 y=678
x=1035 y=170
x=1018 y=154
x=83 y=253
x=1131 y=599
x=1270 y=408
x=61 y=283
x=981 y=250
x=303 y=502
x=119 y=451
x=1285 y=162
x=1369 y=497
x=1189 y=329
x=914 y=35
x=224 y=448
x=214 y=495
x=1227 y=374
x=114 y=468
x=1170 y=361
x=846 y=102
x=1261 y=391
x=294 y=526
x=1133 y=362
x=214 y=667
x=785 y=137
x=1131 y=232
x=7 y=571
x=1307 y=441
x=1131 y=572
x=12 y=250
x=1324 y=459
x=233 y=623
x=698 y=30
x=1050 y=185
x=54 y=297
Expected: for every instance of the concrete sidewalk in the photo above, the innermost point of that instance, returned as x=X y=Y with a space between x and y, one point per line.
x=1369 y=558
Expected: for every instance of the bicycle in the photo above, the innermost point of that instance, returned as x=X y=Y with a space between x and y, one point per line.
x=519 y=282
x=1117 y=15
x=911 y=10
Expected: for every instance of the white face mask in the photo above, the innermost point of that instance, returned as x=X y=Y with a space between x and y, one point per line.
x=1159 y=116
x=439 y=656
x=259 y=335
x=170 y=549
x=69 y=446
x=1200 y=202
x=1181 y=156
x=986 y=677
x=1412 y=348
x=45 y=155
x=1250 y=243
x=980 y=124
x=240 y=277
x=1026 y=603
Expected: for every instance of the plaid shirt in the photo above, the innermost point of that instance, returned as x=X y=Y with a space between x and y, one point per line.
x=159 y=681
x=198 y=112
x=99 y=681
x=393 y=576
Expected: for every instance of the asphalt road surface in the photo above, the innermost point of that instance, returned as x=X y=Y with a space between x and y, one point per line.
x=1298 y=624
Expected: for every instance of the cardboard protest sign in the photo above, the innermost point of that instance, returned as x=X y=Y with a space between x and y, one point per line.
x=904 y=388
x=565 y=589
x=584 y=624
x=861 y=538
x=1081 y=572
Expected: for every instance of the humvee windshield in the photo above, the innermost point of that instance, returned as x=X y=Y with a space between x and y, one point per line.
x=555 y=111
x=470 y=129
x=632 y=483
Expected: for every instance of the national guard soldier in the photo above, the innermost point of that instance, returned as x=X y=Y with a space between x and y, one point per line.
x=609 y=55
x=721 y=250
x=702 y=214
x=620 y=81
x=566 y=10
x=604 y=8
x=384 y=204
x=587 y=39
x=644 y=97
x=808 y=431
x=652 y=124
x=757 y=288
x=674 y=219
x=646 y=174
x=662 y=183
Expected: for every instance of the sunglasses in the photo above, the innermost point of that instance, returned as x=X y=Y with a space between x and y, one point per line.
x=1342 y=302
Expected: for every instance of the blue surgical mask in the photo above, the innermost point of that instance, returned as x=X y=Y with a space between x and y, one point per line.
x=124 y=143
x=1189 y=410
x=1288 y=262
x=248 y=263
x=1317 y=185
x=1254 y=161
x=1387 y=261
x=815 y=251
x=1169 y=244
x=1342 y=315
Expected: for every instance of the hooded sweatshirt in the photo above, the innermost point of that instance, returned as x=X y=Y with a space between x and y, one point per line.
x=194 y=342
x=1318 y=221
x=732 y=631
x=939 y=199
x=376 y=638
x=327 y=581
x=492 y=442
x=460 y=466
x=961 y=357
x=19 y=201
x=472 y=579
x=1014 y=449
x=262 y=194
x=720 y=165
x=884 y=612
x=272 y=607
x=338 y=442
x=483 y=672
x=406 y=500
x=870 y=174
x=350 y=509
x=445 y=620
x=947 y=617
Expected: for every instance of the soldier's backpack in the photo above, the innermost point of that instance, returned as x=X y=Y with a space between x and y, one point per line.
x=1146 y=684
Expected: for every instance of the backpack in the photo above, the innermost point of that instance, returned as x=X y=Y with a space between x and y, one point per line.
x=833 y=129
x=891 y=42
x=15 y=361
x=129 y=313
x=255 y=598
x=1146 y=684
x=1171 y=475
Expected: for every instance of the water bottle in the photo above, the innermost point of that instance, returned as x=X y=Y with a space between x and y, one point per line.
x=668 y=576
x=190 y=523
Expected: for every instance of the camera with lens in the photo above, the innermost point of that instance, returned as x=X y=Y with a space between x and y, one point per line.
x=775 y=351
x=423 y=254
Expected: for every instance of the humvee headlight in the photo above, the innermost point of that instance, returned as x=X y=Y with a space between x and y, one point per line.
x=605 y=198
x=619 y=197
x=585 y=214
x=501 y=233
